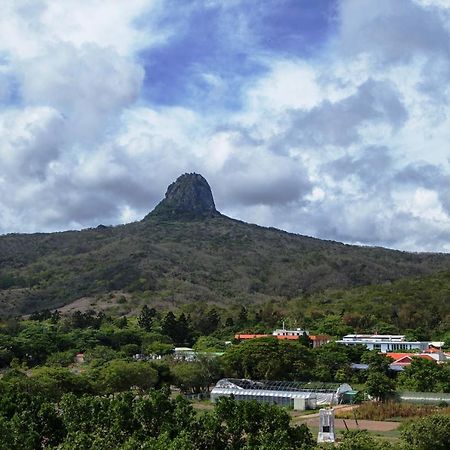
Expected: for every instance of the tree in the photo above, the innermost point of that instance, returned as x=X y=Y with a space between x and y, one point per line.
x=243 y=317
x=209 y=322
x=145 y=319
x=379 y=385
x=269 y=359
x=424 y=375
x=362 y=440
x=258 y=425
x=182 y=330
x=428 y=433
x=158 y=348
x=209 y=344
x=331 y=358
x=190 y=377
x=119 y=376
x=378 y=362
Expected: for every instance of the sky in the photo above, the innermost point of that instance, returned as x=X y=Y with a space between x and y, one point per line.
x=328 y=118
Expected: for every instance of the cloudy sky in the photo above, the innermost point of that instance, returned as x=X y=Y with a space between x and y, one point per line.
x=328 y=118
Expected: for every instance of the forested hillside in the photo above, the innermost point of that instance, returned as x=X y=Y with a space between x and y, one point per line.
x=186 y=252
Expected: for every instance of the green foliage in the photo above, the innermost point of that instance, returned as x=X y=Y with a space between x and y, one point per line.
x=214 y=259
x=176 y=328
x=145 y=320
x=332 y=361
x=269 y=359
x=362 y=440
x=425 y=376
x=377 y=362
x=379 y=385
x=428 y=433
x=209 y=344
x=158 y=348
x=254 y=425
x=153 y=421
x=197 y=376
x=119 y=376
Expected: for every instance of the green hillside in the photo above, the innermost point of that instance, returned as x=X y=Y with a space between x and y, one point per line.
x=214 y=259
x=173 y=258
x=419 y=304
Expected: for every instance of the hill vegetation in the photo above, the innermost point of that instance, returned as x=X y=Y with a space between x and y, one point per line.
x=187 y=252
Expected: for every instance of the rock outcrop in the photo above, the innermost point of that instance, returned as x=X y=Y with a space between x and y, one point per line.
x=189 y=197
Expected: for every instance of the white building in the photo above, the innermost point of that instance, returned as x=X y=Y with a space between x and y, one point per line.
x=296 y=333
x=384 y=343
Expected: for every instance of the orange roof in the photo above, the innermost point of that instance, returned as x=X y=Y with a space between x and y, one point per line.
x=250 y=336
x=396 y=356
x=406 y=359
x=291 y=338
x=319 y=337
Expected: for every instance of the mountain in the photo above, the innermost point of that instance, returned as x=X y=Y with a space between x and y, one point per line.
x=189 y=197
x=185 y=251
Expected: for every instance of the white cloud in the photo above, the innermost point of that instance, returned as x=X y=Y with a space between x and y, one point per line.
x=349 y=144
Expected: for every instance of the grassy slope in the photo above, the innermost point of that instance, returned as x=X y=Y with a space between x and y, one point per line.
x=217 y=259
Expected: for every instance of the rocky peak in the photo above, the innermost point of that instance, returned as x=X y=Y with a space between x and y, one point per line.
x=188 y=197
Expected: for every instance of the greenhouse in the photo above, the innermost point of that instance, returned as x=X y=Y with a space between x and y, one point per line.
x=293 y=394
x=431 y=398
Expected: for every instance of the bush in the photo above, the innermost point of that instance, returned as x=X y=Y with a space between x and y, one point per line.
x=428 y=433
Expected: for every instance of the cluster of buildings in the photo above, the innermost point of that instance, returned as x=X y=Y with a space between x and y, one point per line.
x=291 y=335
x=396 y=346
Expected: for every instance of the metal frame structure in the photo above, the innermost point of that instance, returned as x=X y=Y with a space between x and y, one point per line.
x=280 y=392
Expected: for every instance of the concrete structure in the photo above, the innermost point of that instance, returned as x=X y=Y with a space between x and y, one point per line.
x=383 y=342
x=326 y=426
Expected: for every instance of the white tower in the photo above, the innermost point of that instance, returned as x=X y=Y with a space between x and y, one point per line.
x=326 y=426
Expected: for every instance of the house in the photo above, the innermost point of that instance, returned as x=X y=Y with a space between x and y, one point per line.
x=289 y=335
x=406 y=360
x=383 y=342
x=283 y=333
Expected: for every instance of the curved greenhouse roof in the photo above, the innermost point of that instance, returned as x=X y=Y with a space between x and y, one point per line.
x=296 y=386
x=274 y=391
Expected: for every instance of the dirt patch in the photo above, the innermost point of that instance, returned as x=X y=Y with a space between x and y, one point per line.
x=370 y=425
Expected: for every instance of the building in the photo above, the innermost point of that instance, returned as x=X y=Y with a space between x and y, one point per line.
x=291 y=335
x=384 y=343
x=292 y=394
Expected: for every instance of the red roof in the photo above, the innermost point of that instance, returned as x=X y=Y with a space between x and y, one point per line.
x=407 y=359
x=319 y=337
x=396 y=356
x=250 y=336
x=291 y=338
x=404 y=361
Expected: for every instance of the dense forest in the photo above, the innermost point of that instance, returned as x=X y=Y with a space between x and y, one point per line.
x=87 y=380
x=217 y=260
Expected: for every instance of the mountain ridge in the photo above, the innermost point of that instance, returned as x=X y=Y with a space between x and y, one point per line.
x=176 y=257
